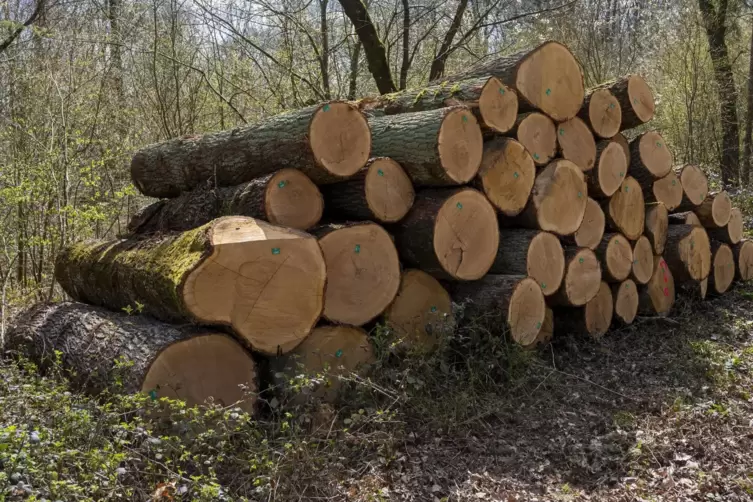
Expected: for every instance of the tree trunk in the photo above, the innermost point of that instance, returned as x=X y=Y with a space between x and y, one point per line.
x=591 y=229
x=643 y=260
x=327 y=142
x=732 y=232
x=657 y=222
x=667 y=190
x=602 y=112
x=722 y=268
x=435 y=147
x=506 y=175
x=616 y=257
x=235 y=270
x=576 y=143
x=658 y=296
x=438 y=65
x=688 y=253
x=695 y=187
x=582 y=278
x=547 y=330
x=534 y=253
x=610 y=171
x=179 y=362
x=635 y=98
x=625 y=296
x=686 y=218
x=650 y=159
x=593 y=319
x=381 y=191
x=625 y=211
x=743 y=251
x=715 y=211
x=536 y=132
x=745 y=177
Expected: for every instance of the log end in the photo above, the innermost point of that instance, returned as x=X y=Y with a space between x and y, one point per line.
x=641 y=98
x=735 y=226
x=598 y=312
x=577 y=143
x=626 y=301
x=526 y=312
x=658 y=296
x=547 y=330
x=668 y=191
x=724 y=269
x=744 y=257
x=506 y=175
x=388 y=189
x=623 y=142
x=694 y=250
x=643 y=260
x=611 y=170
x=546 y=262
x=604 y=113
x=498 y=105
x=292 y=200
x=695 y=184
x=582 y=278
x=560 y=197
x=618 y=258
x=340 y=138
x=460 y=145
x=654 y=154
x=721 y=209
x=657 y=223
x=626 y=209
x=591 y=229
x=537 y=134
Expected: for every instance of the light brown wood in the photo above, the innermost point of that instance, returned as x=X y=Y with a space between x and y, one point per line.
x=722 y=269
x=715 y=210
x=658 y=296
x=507 y=174
x=547 y=330
x=576 y=143
x=641 y=101
x=526 y=312
x=732 y=232
x=686 y=218
x=743 y=251
x=498 y=106
x=421 y=313
x=293 y=200
x=536 y=132
x=610 y=171
x=616 y=257
x=460 y=145
x=625 y=210
x=602 y=112
x=622 y=140
x=363 y=272
x=591 y=229
x=337 y=120
x=695 y=186
x=667 y=190
x=582 y=278
x=643 y=260
x=688 y=253
x=625 y=296
x=388 y=190
x=546 y=262
x=598 y=311
x=657 y=221
x=650 y=156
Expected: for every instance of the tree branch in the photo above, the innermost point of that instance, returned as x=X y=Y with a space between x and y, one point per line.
x=15 y=34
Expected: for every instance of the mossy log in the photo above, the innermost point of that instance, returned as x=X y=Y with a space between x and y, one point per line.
x=328 y=142
x=576 y=143
x=688 y=253
x=695 y=186
x=650 y=158
x=657 y=222
x=722 y=268
x=715 y=211
x=582 y=278
x=643 y=260
x=743 y=251
x=616 y=257
x=506 y=175
x=99 y=347
x=732 y=232
x=534 y=253
x=602 y=112
x=591 y=229
x=625 y=296
x=266 y=282
x=593 y=319
x=658 y=296
x=610 y=170
x=536 y=132
x=635 y=98
x=625 y=211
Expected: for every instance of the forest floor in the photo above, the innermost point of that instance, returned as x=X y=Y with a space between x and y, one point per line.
x=658 y=411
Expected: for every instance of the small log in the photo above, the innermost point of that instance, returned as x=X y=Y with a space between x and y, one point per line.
x=625 y=210
x=657 y=222
x=591 y=229
x=287 y=198
x=449 y=233
x=667 y=190
x=743 y=251
x=622 y=140
x=635 y=98
x=193 y=364
x=534 y=253
x=686 y=218
x=547 y=329
x=602 y=112
x=302 y=139
x=732 y=232
x=625 y=296
x=722 y=269
x=266 y=282
x=582 y=278
x=688 y=253
x=381 y=191
x=650 y=158
x=435 y=147
x=421 y=313
x=363 y=271
x=658 y=296
x=715 y=211
x=576 y=143
x=593 y=319
x=536 y=132
x=506 y=175
x=643 y=260
x=616 y=257
x=504 y=300
x=610 y=171
x=695 y=186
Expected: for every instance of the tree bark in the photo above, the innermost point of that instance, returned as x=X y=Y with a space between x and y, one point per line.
x=745 y=177
x=534 y=253
x=593 y=319
x=688 y=253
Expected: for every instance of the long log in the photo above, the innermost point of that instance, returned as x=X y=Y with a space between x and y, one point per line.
x=658 y=296
x=287 y=198
x=582 y=278
x=495 y=301
x=667 y=190
x=610 y=170
x=449 y=233
x=536 y=132
x=363 y=271
x=616 y=257
x=381 y=192
x=576 y=143
x=657 y=222
x=625 y=211
x=625 y=296
x=602 y=112
x=495 y=104
x=328 y=142
x=743 y=251
x=643 y=260
x=686 y=218
x=534 y=253
x=722 y=268
x=506 y=176
x=593 y=319
x=558 y=93
x=688 y=253
x=715 y=210
x=436 y=147
x=266 y=282
x=732 y=232
x=695 y=186
x=650 y=158
x=180 y=362
x=591 y=229
x=635 y=98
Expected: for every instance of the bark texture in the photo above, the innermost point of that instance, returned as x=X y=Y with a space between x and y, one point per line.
x=634 y=111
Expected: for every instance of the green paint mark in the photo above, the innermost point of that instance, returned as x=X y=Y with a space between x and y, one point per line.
x=627 y=285
x=153 y=394
x=622 y=173
x=380 y=172
x=459 y=205
x=465 y=118
x=538 y=325
x=433 y=308
x=636 y=101
x=515 y=175
x=357 y=249
x=325 y=108
x=627 y=189
x=339 y=353
x=611 y=106
x=548 y=92
x=543 y=285
x=580 y=260
x=580 y=195
x=536 y=156
x=282 y=184
x=501 y=90
x=658 y=144
x=275 y=250
x=562 y=131
x=674 y=182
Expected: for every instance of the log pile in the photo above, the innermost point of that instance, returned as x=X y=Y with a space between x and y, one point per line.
x=507 y=198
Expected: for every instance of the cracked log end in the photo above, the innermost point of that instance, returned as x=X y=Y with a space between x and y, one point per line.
x=292 y=200
x=715 y=211
x=559 y=198
x=340 y=138
x=657 y=221
x=604 y=113
x=537 y=134
x=526 y=312
x=626 y=300
x=695 y=184
x=388 y=190
x=546 y=262
x=460 y=145
x=723 y=269
x=654 y=154
x=591 y=229
x=577 y=143
x=498 y=105
x=506 y=175
x=658 y=296
x=643 y=260
x=598 y=312
x=668 y=191
x=744 y=259
x=641 y=98
x=625 y=211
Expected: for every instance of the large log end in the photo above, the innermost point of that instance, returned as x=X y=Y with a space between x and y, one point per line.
x=507 y=174
x=388 y=190
x=460 y=145
x=625 y=301
x=604 y=113
x=546 y=262
x=559 y=197
x=591 y=229
x=292 y=200
x=643 y=260
x=577 y=143
x=625 y=210
x=526 y=312
x=340 y=138
x=723 y=269
x=498 y=105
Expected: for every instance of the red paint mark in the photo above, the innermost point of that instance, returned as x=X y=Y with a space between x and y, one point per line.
x=666 y=291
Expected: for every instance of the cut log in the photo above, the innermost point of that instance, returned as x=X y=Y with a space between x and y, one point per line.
x=657 y=221
x=381 y=192
x=266 y=282
x=686 y=218
x=328 y=142
x=582 y=278
x=179 y=362
x=495 y=103
x=695 y=186
x=643 y=260
x=602 y=112
x=722 y=268
x=435 y=147
x=363 y=271
x=610 y=171
x=667 y=190
x=658 y=296
x=577 y=143
x=558 y=199
x=591 y=229
x=625 y=296
x=506 y=175
x=622 y=140
x=732 y=232
x=616 y=257
x=625 y=210
x=688 y=253
x=547 y=329
x=715 y=211
x=695 y=289
x=534 y=253
x=421 y=313
x=547 y=78
x=504 y=300
x=593 y=319
x=743 y=251
x=287 y=198
x=650 y=159
x=449 y=233
x=536 y=132
x=635 y=98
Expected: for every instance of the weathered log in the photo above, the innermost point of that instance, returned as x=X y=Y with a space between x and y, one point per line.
x=99 y=348
x=287 y=198
x=515 y=302
x=381 y=191
x=435 y=147
x=625 y=296
x=658 y=296
x=266 y=282
x=582 y=278
x=547 y=78
x=576 y=143
x=643 y=260
x=547 y=329
x=534 y=253
x=449 y=233
x=650 y=159
x=536 y=132
x=610 y=171
x=695 y=289
x=695 y=186
x=732 y=232
x=363 y=271
x=688 y=253
x=743 y=251
x=616 y=257
x=625 y=211
x=602 y=112
x=506 y=175
x=686 y=218
x=593 y=319
x=622 y=140
x=667 y=190
x=635 y=98
x=715 y=210
x=328 y=142
x=657 y=221
x=591 y=229
x=722 y=268
x=421 y=313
